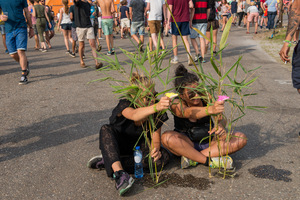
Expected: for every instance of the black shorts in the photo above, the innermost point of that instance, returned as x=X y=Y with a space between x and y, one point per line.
x=214 y=24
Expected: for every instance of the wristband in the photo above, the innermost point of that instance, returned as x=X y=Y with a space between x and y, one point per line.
x=287 y=41
x=154 y=108
x=206 y=110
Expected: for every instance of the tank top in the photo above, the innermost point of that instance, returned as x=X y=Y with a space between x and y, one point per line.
x=65 y=18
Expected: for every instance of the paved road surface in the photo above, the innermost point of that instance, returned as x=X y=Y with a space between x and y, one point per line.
x=49 y=130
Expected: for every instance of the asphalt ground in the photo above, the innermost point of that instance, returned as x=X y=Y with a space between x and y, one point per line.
x=50 y=130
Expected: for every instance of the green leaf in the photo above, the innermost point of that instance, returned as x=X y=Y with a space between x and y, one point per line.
x=225 y=33
x=215 y=66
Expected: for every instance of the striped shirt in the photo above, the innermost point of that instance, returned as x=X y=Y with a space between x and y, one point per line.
x=200 y=15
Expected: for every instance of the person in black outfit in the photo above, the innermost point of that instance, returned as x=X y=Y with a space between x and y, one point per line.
x=127 y=123
x=192 y=124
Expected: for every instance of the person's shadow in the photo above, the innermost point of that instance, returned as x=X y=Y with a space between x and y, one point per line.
x=51 y=132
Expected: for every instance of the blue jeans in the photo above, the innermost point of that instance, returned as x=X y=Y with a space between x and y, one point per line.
x=271 y=18
x=16 y=40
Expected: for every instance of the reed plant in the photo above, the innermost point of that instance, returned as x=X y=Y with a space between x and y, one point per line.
x=234 y=81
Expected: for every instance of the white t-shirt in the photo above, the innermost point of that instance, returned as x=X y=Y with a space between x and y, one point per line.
x=156 y=9
x=252 y=9
x=99 y=10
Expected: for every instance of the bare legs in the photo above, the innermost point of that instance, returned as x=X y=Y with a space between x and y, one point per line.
x=21 y=58
x=181 y=145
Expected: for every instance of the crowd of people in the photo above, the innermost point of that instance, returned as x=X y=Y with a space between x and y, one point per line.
x=90 y=19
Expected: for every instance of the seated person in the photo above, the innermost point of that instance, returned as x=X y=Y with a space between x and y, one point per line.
x=191 y=111
x=127 y=122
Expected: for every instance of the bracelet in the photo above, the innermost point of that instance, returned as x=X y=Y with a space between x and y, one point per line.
x=206 y=110
x=287 y=41
x=154 y=108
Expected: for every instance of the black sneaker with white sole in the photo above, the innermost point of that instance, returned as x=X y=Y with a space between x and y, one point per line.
x=96 y=162
x=23 y=80
x=123 y=181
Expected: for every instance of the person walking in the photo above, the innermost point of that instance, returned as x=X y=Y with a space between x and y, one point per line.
x=293 y=24
x=137 y=15
x=240 y=11
x=252 y=15
x=213 y=23
x=84 y=29
x=33 y=21
x=225 y=11
x=124 y=19
x=157 y=10
x=2 y=30
x=107 y=9
x=73 y=32
x=199 y=16
x=272 y=12
x=42 y=19
x=16 y=32
x=66 y=25
x=181 y=12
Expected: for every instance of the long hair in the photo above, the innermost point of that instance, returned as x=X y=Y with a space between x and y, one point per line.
x=66 y=4
x=184 y=78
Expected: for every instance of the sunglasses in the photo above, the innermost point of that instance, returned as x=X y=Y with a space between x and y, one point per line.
x=192 y=94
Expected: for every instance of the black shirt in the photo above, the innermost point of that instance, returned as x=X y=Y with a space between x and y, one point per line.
x=127 y=126
x=82 y=14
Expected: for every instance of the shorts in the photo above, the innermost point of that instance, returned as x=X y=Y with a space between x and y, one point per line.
x=85 y=32
x=155 y=26
x=35 y=29
x=138 y=27
x=201 y=27
x=52 y=26
x=66 y=27
x=107 y=26
x=74 y=34
x=2 y=29
x=197 y=145
x=214 y=24
x=99 y=22
x=17 y=40
x=252 y=16
x=184 y=28
x=261 y=12
x=125 y=22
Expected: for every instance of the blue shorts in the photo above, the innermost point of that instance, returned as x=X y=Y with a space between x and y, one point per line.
x=137 y=27
x=17 y=40
x=52 y=26
x=66 y=26
x=184 y=28
x=201 y=27
x=2 y=29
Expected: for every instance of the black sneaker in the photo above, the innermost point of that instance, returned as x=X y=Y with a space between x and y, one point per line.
x=23 y=80
x=72 y=55
x=123 y=181
x=96 y=162
x=83 y=56
x=112 y=50
x=99 y=48
x=68 y=52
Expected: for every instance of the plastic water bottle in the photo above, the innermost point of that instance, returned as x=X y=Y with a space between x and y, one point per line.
x=138 y=166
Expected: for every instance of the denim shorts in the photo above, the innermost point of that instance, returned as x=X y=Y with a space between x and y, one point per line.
x=184 y=28
x=52 y=26
x=138 y=27
x=201 y=27
x=16 y=40
x=107 y=26
x=66 y=26
x=2 y=29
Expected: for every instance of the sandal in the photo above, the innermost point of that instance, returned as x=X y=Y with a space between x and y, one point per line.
x=99 y=65
x=83 y=65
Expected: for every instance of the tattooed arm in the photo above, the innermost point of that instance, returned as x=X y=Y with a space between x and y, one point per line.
x=294 y=20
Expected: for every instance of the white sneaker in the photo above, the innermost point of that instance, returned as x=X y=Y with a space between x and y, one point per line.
x=174 y=61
